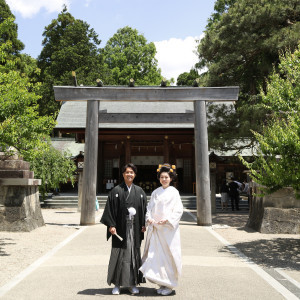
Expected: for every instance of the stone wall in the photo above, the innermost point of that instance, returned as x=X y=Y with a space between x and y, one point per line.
x=281 y=220
x=278 y=212
x=19 y=197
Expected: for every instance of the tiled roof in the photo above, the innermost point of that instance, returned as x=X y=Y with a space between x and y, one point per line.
x=73 y=115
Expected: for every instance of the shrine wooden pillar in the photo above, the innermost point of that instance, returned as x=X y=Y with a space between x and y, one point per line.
x=166 y=150
x=127 y=150
x=100 y=175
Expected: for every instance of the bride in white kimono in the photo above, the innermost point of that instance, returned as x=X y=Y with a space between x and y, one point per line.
x=162 y=253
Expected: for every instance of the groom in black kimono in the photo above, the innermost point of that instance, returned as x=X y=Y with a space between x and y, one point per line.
x=125 y=258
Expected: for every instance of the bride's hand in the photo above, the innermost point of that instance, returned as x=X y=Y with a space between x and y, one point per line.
x=151 y=221
x=162 y=222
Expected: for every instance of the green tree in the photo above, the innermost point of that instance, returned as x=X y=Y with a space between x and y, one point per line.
x=28 y=66
x=278 y=162
x=9 y=33
x=21 y=126
x=187 y=78
x=52 y=167
x=128 y=55
x=69 y=45
x=22 y=62
x=241 y=45
x=220 y=7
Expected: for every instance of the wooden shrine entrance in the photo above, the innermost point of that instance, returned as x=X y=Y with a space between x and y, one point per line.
x=144 y=147
x=95 y=95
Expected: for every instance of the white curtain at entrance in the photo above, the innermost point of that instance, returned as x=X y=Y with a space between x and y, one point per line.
x=147 y=160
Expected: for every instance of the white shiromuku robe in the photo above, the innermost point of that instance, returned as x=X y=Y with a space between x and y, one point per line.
x=162 y=253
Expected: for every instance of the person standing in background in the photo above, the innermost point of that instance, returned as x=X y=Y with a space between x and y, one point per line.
x=234 y=194
x=224 y=195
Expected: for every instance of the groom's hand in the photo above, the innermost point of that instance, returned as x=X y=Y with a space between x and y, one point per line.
x=112 y=230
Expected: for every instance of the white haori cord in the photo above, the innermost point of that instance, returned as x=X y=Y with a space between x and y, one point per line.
x=132 y=212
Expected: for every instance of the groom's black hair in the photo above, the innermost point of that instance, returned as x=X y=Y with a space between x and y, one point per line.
x=131 y=166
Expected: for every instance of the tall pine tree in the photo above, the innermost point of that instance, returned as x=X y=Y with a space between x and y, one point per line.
x=69 y=45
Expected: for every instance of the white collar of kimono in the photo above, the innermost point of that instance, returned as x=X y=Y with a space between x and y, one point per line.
x=129 y=188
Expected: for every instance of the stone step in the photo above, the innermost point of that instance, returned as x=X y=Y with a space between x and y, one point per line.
x=72 y=201
x=188 y=202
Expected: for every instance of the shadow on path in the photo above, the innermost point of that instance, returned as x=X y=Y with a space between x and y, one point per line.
x=232 y=219
x=95 y=292
x=144 y=292
x=187 y=219
x=275 y=253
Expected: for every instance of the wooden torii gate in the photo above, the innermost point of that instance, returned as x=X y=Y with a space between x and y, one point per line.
x=198 y=95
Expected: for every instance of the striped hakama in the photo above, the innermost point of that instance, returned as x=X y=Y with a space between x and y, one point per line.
x=124 y=264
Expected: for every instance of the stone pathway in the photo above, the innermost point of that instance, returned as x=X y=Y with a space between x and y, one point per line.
x=213 y=263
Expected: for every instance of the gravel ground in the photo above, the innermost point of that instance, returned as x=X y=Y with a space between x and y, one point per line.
x=19 y=250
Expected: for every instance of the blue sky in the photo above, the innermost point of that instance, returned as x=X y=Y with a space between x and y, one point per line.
x=172 y=25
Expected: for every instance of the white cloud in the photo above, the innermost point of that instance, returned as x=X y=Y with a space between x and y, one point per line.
x=29 y=8
x=176 y=56
x=87 y=3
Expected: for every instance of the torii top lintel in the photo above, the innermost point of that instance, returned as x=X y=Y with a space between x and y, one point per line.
x=146 y=94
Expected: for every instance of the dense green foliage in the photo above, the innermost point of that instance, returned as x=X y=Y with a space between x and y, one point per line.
x=241 y=45
x=9 y=33
x=278 y=162
x=69 y=45
x=52 y=167
x=229 y=127
x=220 y=7
x=27 y=105
x=187 y=78
x=128 y=55
x=21 y=126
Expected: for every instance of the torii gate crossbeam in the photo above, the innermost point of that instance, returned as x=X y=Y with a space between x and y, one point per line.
x=198 y=95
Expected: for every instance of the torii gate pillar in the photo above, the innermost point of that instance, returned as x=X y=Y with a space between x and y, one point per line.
x=202 y=165
x=89 y=183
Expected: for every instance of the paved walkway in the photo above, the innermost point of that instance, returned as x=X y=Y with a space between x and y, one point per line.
x=212 y=269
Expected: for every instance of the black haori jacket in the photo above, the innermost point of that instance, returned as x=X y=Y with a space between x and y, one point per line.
x=116 y=210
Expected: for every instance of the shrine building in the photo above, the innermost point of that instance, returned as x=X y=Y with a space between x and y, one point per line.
x=146 y=134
